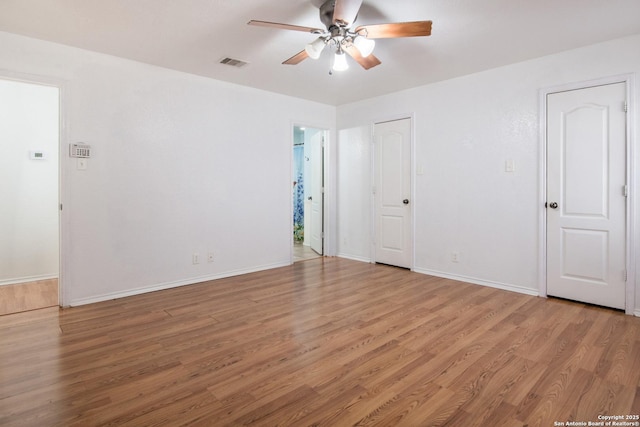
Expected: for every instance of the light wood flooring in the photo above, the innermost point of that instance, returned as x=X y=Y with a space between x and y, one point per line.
x=303 y=253
x=28 y=296
x=325 y=342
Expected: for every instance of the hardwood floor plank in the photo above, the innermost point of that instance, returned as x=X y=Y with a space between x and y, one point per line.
x=635 y=407
x=506 y=382
x=405 y=406
x=178 y=409
x=283 y=410
x=618 y=363
x=21 y=297
x=323 y=342
x=357 y=410
x=332 y=408
x=561 y=400
x=603 y=397
x=48 y=316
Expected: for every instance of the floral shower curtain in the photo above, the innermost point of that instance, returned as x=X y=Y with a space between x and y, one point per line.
x=298 y=193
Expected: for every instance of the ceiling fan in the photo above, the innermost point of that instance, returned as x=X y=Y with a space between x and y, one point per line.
x=338 y=17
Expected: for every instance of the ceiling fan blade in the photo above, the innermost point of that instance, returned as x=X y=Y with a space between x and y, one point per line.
x=297 y=58
x=366 y=62
x=346 y=11
x=285 y=26
x=398 y=29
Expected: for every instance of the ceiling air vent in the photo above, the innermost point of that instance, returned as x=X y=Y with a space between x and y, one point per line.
x=233 y=62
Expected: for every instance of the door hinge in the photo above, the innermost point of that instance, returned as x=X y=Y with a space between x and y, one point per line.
x=322 y=235
x=60 y=206
x=322 y=190
x=625 y=190
x=625 y=275
x=625 y=106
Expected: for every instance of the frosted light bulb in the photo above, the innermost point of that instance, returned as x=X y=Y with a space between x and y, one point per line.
x=364 y=45
x=340 y=62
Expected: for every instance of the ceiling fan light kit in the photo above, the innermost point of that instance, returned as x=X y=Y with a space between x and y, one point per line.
x=364 y=45
x=338 y=16
x=340 y=61
x=314 y=49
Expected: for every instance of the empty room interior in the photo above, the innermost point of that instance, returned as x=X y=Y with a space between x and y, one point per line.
x=319 y=212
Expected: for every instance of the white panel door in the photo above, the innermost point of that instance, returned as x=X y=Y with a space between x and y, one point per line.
x=393 y=240
x=317 y=191
x=586 y=203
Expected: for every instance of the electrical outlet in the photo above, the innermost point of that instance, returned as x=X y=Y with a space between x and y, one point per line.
x=196 y=258
x=455 y=257
x=210 y=257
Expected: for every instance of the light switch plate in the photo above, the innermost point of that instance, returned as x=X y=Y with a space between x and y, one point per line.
x=509 y=166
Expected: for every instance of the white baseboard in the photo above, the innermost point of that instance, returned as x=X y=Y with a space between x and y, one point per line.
x=26 y=279
x=498 y=285
x=637 y=313
x=354 y=257
x=169 y=285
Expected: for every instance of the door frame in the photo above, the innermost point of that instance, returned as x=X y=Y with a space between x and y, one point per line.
x=412 y=191
x=63 y=242
x=630 y=244
x=327 y=205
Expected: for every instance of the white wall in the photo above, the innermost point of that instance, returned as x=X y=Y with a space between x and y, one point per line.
x=28 y=188
x=184 y=164
x=465 y=130
x=354 y=193
x=181 y=164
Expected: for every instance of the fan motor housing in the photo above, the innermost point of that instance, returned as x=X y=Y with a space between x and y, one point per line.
x=326 y=13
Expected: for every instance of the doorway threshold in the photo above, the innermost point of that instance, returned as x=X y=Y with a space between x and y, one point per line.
x=303 y=253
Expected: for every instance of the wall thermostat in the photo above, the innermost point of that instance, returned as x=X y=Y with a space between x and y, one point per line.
x=80 y=150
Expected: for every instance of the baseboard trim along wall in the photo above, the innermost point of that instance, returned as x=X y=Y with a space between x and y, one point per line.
x=498 y=285
x=169 y=285
x=194 y=280
x=353 y=257
x=27 y=279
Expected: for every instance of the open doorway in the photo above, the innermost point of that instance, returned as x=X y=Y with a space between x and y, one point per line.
x=29 y=190
x=308 y=193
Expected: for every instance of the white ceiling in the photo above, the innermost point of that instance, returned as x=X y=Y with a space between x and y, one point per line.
x=193 y=35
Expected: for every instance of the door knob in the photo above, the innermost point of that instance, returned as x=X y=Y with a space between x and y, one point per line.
x=405 y=201
x=553 y=205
